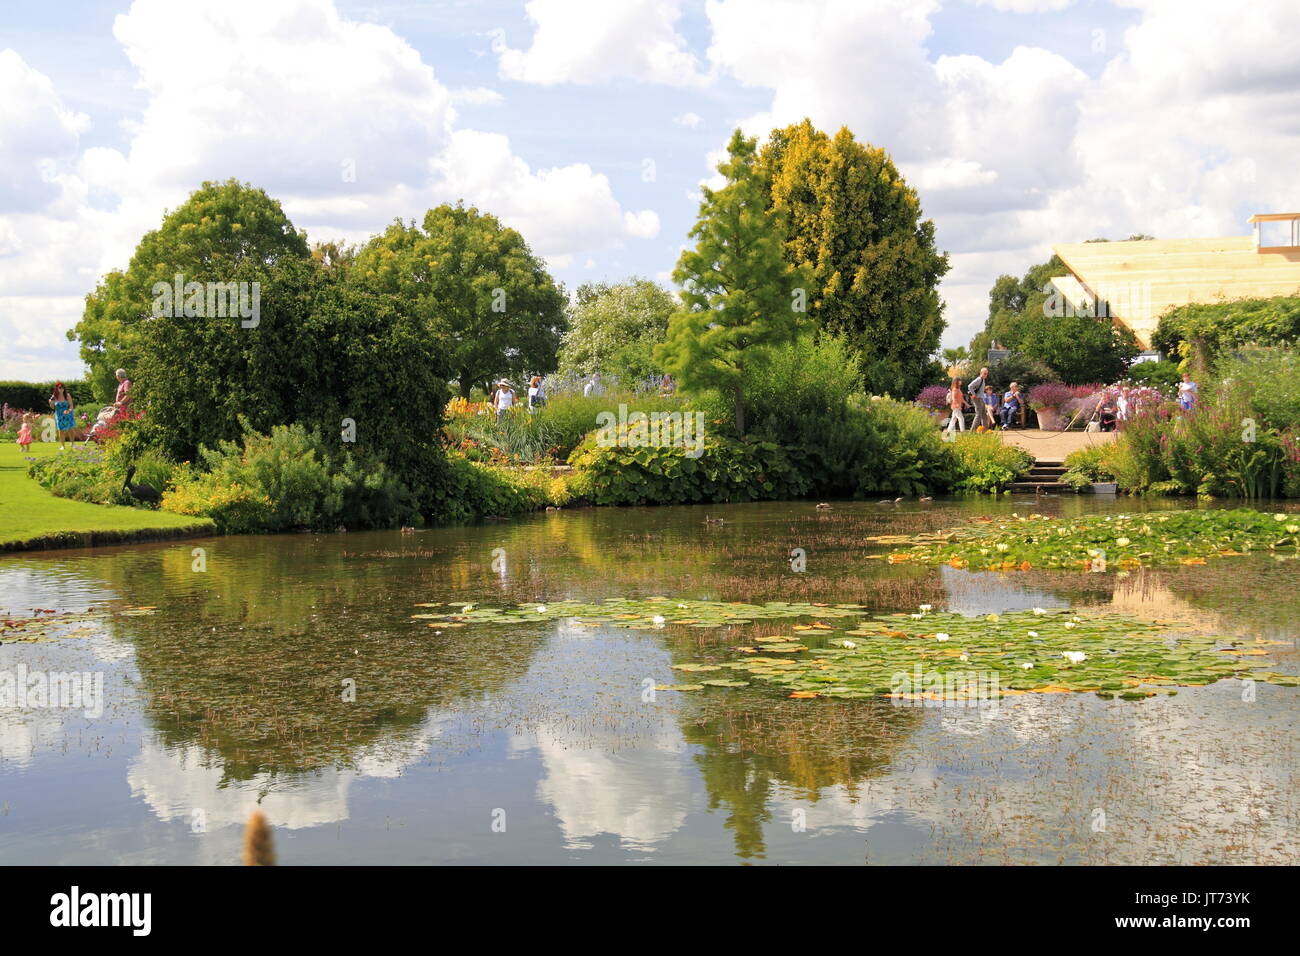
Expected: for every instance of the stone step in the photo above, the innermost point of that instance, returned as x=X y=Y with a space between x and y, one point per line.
x=1031 y=487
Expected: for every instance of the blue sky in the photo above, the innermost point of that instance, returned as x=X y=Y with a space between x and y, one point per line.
x=590 y=125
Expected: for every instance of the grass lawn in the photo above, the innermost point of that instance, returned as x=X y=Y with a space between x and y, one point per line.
x=31 y=517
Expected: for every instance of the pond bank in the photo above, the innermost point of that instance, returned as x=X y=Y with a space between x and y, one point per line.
x=34 y=519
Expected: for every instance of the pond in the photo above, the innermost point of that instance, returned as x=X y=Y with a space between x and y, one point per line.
x=289 y=673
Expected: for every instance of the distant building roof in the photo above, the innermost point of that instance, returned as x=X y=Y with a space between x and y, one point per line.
x=1139 y=280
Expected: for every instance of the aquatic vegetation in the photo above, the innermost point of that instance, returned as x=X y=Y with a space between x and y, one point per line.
x=643 y=614
x=1097 y=542
x=947 y=656
x=48 y=624
x=918 y=656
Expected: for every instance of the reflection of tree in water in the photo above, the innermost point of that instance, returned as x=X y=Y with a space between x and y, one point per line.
x=248 y=659
x=752 y=745
x=596 y=553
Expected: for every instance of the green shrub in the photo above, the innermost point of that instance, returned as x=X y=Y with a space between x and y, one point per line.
x=1271 y=380
x=1163 y=375
x=904 y=452
x=286 y=480
x=1213 y=328
x=549 y=433
x=985 y=464
x=729 y=469
x=79 y=473
x=1089 y=464
x=97 y=474
x=476 y=490
x=1018 y=368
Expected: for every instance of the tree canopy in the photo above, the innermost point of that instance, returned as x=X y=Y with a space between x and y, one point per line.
x=219 y=228
x=324 y=353
x=1081 y=349
x=615 y=328
x=1204 y=332
x=855 y=225
x=485 y=301
x=739 y=294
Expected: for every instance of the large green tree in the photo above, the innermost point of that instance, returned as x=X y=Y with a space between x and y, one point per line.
x=324 y=352
x=740 y=296
x=480 y=292
x=615 y=329
x=219 y=228
x=855 y=225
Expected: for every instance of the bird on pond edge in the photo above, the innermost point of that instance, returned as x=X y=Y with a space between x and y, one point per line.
x=140 y=492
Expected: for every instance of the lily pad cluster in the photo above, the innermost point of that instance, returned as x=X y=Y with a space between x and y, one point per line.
x=1119 y=542
x=945 y=656
x=636 y=613
x=951 y=657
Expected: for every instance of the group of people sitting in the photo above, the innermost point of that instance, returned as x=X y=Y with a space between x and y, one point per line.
x=988 y=407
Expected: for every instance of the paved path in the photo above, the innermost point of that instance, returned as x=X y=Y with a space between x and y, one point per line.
x=1054 y=446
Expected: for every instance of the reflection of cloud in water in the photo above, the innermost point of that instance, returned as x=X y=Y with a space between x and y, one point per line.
x=641 y=794
x=611 y=763
x=176 y=781
x=24 y=586
x=21 y=734
x=1180 y=780
x=991 y=592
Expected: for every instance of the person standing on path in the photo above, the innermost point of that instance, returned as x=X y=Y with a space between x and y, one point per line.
x=957 y=403
x=976 y=393
x=1187 y=392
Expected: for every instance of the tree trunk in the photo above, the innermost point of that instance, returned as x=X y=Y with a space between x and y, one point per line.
x=466 y=385
x=739 y=395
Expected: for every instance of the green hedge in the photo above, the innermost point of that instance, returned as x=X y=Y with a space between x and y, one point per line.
x=35 y=396
x=728 y=470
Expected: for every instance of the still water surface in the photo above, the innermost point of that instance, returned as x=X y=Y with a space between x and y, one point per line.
x=535 y=743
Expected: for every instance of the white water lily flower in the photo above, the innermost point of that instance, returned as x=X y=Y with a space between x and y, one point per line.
x=941 y=637
x=1293 y=529
x=467 y=607
x=1003 y=547
x=925 y=607
x=849 y=644
x=1122 y=541
x=658 y=619
x=916 y=617
x=1069 y=624
x=1033 y=633
x=964 y=657
x=1075 y=657
x=1279 y=517
x=1039 y=610
x=681 y=605
x=1077 y=620
x=1025 y=667
x=541 y=609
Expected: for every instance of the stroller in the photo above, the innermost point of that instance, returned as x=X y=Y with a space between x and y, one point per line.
x=103 y=419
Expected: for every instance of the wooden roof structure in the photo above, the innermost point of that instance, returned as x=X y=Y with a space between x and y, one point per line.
x=1136 y=281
